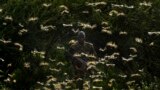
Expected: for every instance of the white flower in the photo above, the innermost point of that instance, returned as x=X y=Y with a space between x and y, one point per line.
x=145 y=4
x=106 y=30
x=95 y=4
x=111 y=13
x=112 y=44
x=44 y=64
x=47 y=28
x=27 y=65
x=5 y=41
x=104 y=23
x=123 y=33
x=154 y=33
x=138 y=40
x=47 y=4
x=8 y=18
x=19 y=45
x=33 y=19
x=63 y=7
x=1 y=10
x=22 y=31
x=85 y=12
x=67 y=25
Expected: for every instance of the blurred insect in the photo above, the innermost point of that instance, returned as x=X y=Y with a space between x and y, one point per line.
x=138 y=40
x=46 y=4
x=19 y=45
x=141 y=70
x=151 y=44
x=22 y=31
x=1 y=10
x=123 y=76
x=110 y=65
x=102 y=50
x=67 y=25
x=135 y=75
x=86 y=12
x=1 y=59
x=95 y=4
x=127 y=59
x=130 y=82
x=154 y=33
x=75 y=31
x=8 y=18
x=47 y=28
x=5 y=41
x=33 y=19
x=145 y=3
x=60 y=48
x=20 y=24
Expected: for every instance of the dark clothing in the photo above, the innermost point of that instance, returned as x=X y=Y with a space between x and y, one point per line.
x=80 y=55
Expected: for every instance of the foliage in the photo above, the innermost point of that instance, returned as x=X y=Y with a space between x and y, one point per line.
x=35 y=35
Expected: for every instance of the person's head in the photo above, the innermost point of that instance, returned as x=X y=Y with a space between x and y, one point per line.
x=81 y=37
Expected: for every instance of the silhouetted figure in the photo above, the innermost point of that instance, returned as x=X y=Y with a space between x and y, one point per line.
x=79 y=51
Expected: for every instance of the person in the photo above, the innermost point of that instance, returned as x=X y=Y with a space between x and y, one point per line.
x=80 y=52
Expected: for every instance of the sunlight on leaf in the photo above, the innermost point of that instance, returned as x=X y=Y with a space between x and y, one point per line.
x=1 y=10
x=60 y=64
x=135 y=75
x=22 y=31
x=122 y=75
x=60 y=48
x=133 y=49
x=67 y=25
x=86 y=12
x=64 y=12
x=122 y=6
x=151 y=44
x=1 y=59
x=47 y=28
x=75 y=31
x=110 y=65
x=72 y=42
x=123 y=33
x=97 y=88
x=106 y=30
x=111 y=44
x=130 y=82
x=8 y=18
x=87 y=25
x=4 y=23
x=127 y=59
x=33 y=19
x=63 y=7
x=7 y=80
x=26 y=65
x=138 y=40
x=104 y=23
x=20 y=24
x=154 y=33
x=5 y=41
x=110 y=83
x=145 y=4
x=9 y=65
x=95 y=4
x=46 y=5
x=44 y=64
x=98 y=10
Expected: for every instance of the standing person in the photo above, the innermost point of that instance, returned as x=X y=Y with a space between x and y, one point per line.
x=79 y=52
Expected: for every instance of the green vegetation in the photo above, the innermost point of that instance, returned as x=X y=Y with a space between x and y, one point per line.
x=35 y=34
